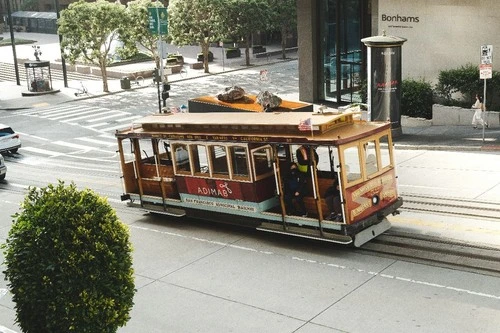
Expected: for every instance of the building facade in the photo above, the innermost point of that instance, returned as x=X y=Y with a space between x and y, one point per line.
x=441 y=34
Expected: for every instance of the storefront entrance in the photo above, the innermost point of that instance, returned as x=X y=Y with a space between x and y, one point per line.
x=344 y=24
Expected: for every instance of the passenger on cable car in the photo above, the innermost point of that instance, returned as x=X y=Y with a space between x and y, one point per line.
x=295 y=188
x=332 y=199
x=303 y=158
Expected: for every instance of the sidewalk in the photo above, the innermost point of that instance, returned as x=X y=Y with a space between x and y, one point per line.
x=417 y=134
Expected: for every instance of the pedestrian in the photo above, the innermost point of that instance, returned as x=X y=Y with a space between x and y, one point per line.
x=479 y=113
x=295 y=188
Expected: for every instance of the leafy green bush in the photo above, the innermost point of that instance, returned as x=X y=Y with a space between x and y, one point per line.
x=464 y=80
x=416 y=99
x=68 y=263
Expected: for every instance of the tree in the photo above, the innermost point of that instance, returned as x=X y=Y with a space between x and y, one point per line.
x=241 y=18
x=284 y=18
x=89 y=29
x=68 y=263
x=194 y=21
x=137 y=11
x=30 y=5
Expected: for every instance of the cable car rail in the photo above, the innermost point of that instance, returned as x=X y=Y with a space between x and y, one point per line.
x=454 y=206
x=438 y=251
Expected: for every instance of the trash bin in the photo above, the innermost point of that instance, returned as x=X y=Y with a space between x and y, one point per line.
x=125 y=83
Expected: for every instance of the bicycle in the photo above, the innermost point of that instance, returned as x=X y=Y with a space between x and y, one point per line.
x=139 y=80
x=183 y=72
x=82 y=91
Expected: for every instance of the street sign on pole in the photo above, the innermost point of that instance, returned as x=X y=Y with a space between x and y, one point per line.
x=486 y=54
x=158 y=20
x=485 y=71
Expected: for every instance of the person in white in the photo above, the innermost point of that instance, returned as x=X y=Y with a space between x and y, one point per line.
x=478 y=115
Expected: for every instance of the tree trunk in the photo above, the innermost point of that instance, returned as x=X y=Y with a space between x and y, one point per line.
x=247 y=50
x=204 y=50
x=284 y=33
x=102 y=65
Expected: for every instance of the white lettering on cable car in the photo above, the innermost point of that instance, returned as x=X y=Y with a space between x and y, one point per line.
x=222 y=191
x=227 y=205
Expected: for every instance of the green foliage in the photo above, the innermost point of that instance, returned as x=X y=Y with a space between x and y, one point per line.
x=244 y=17
x=68 y=263
x=284 y=19
x=29 y=5
x=138 y=31
x=90 y=28
x=464 y=80
x=195 y=22
x=416 y=99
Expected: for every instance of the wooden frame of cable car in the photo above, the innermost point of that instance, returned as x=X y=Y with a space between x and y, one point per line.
x=227 y=167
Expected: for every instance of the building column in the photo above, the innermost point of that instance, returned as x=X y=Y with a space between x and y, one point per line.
x=307 y=28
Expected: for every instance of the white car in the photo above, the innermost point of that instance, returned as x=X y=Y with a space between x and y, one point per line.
x=3 y=168
x=9 y=140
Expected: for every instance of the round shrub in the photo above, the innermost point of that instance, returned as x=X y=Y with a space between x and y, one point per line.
x=68 y=263
x=416 y=99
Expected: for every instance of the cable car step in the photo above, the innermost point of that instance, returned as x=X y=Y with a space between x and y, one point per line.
x=170 y=211
x=305 y=233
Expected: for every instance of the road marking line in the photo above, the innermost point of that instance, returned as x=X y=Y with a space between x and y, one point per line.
x=105 y=143
x=42 y=151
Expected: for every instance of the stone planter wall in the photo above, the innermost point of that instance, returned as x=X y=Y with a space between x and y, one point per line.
x=452 y=115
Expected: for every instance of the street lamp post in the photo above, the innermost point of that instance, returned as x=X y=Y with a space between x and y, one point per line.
x=11 y=25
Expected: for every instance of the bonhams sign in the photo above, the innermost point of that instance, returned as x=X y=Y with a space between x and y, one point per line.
x=399 y=21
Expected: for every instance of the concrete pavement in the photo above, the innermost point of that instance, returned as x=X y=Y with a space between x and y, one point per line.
x=417 y=133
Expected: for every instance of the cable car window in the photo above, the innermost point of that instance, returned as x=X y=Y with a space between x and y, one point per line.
x=164 y=152
x=128 y=150
x=385 y=154
x=200 y=159
x=352 y=167
x=181 y=158
x=371 y=164
x=218 y=156
x=262 y=159
x=147 y=154
x=239 y=162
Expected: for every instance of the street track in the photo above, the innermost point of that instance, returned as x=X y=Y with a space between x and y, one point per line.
x=437 y=251
x=423 y=249
x=453 y=206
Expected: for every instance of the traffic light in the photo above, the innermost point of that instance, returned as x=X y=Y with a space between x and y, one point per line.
x=164 y=93
x=165 y=90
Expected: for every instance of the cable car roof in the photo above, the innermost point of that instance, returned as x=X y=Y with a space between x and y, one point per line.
x=239 y=126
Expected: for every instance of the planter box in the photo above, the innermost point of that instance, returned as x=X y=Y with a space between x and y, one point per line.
x=210 y=57
x=258 y=49
x=178 y=58
x=196 y=65
x=233 y=53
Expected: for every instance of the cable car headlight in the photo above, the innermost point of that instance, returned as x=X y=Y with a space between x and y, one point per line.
x=375 y=200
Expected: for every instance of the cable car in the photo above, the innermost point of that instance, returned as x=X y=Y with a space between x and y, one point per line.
x=232 y=167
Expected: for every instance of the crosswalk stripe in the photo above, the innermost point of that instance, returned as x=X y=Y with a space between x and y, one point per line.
x=99 y=142
x=74 y=145
x=61 y=109
x=70 y=114
x=42 y=151
x=117 y=113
